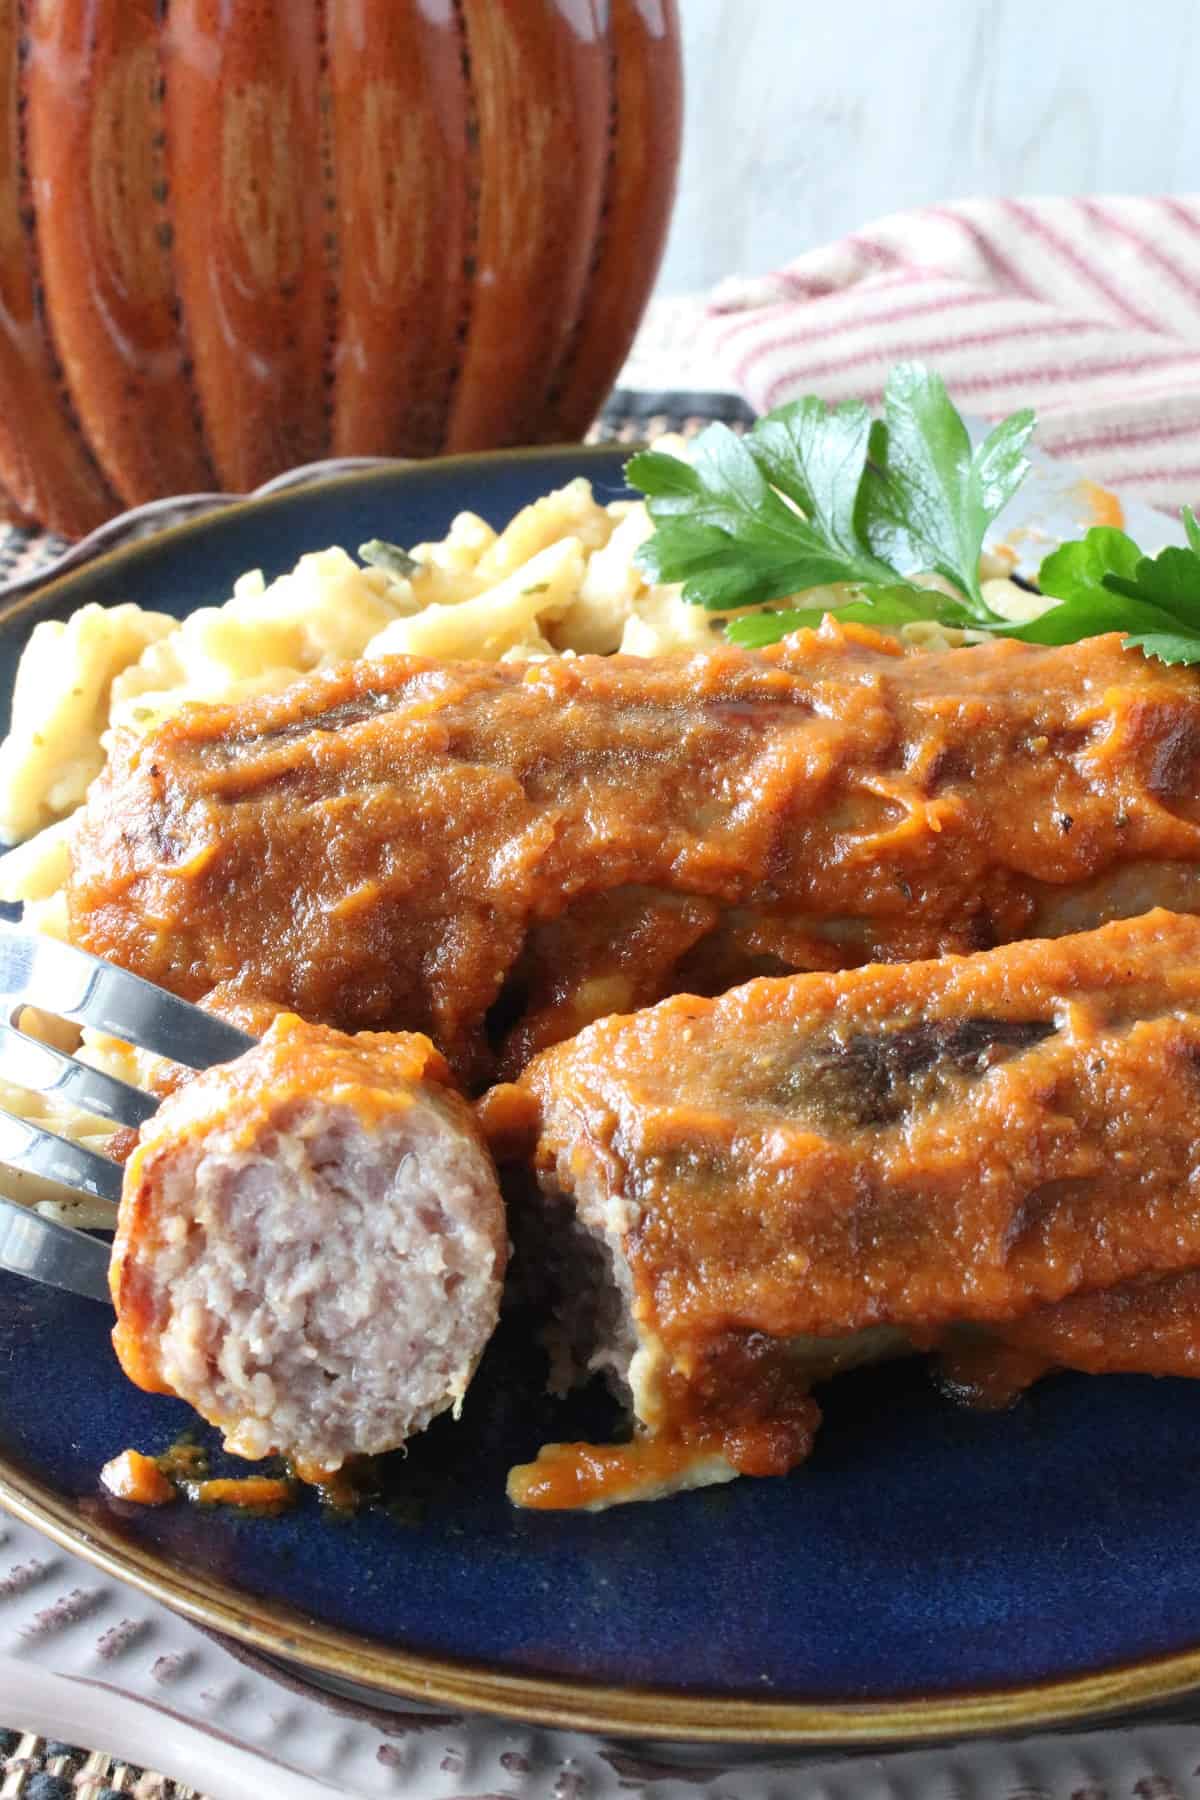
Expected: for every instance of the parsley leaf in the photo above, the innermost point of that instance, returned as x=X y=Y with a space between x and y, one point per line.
x=377 y=553
x=815 y=456
x=1104 y=583
x=1170 y=579
x=930 y=505
x=1168 y=583
x=1074 y=575
x=1079 y=568
x=1089 y=615
x=1167 y=646
x=727 y=524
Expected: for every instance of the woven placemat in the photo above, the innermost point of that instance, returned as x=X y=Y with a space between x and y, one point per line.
x=33 y=1768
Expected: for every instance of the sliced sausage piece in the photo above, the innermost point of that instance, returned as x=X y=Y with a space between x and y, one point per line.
x=748 y=1193
x=311 y=1245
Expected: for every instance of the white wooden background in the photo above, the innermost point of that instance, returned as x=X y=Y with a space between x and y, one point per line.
x=808 y=117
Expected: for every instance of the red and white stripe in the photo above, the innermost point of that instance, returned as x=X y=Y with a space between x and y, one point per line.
x=1087 y=309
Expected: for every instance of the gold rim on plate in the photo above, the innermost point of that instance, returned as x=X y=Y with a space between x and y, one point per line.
x=555 y=1701
x=571 y=1704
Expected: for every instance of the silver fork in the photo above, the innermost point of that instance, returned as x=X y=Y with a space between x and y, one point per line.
x=56 y=978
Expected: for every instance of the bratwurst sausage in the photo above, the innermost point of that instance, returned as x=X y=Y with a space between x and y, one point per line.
x=498 y=854
x=985 y=1154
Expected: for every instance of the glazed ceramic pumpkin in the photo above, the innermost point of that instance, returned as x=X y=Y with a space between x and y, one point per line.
x=238 y=235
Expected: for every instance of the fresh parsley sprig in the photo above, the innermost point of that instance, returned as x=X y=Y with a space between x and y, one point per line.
x=1103 y=582
x=816 y=496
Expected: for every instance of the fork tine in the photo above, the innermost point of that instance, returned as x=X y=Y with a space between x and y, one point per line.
x=41 y=971
x=54 y=1254
x=24 y=1145
x=28 y=1063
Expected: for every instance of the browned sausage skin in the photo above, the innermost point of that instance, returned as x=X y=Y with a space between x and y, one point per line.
x=499 y=853
x=998 y=1155
x=311 y=1245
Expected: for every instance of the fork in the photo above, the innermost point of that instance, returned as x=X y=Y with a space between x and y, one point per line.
x=59 y=979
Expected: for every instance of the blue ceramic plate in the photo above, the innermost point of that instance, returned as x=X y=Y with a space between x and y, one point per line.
x=929 y=1571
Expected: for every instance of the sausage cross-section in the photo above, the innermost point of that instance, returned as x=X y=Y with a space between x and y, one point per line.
x=498 y=854
x=996 y=1155
x=311 y=1245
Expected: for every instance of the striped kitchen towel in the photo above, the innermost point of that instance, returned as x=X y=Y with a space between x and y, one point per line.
x=1087 y=309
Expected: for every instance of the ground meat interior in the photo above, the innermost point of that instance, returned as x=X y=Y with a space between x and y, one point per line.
x=327 y=1290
